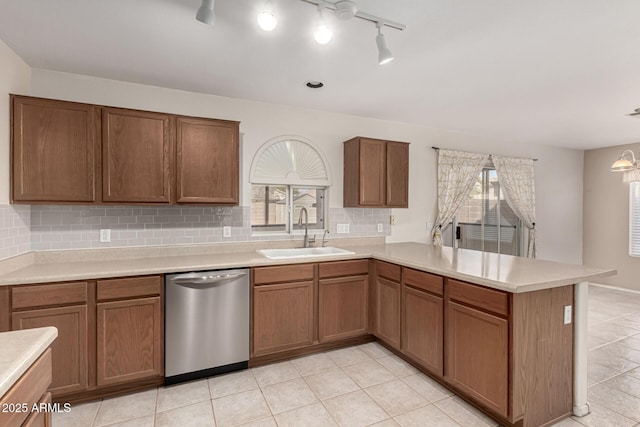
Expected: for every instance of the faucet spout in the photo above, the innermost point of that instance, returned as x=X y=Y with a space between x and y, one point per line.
x=303 y=210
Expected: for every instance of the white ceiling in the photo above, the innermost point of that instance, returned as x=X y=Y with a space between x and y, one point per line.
x=553 y=72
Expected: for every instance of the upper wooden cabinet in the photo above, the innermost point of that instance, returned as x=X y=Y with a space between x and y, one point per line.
x=376 y=173
x=66 y=152
x=207 y=161
x=136 y=156
x=54 y=151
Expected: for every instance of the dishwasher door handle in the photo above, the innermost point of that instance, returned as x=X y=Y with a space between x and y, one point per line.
x=202 y=280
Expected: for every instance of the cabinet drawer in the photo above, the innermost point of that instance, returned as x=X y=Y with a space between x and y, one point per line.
x=343 y=268
x=47 y=295
x=282 y=273
x=390 y=271
x=40 y=419
x=424 y=281
x=28 y=389
x=129 y=288
x=477 y=296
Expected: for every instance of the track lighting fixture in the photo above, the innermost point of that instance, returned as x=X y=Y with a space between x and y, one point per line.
x=323 y=33
x=267 y=18
x=343 y=9
x=205 y=13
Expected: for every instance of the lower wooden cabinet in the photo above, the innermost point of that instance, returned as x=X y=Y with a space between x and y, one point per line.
x=388 y=296
x=40 y=419
x=69 y=350
x=477 y=355
x=422 y=328
x=283 y=317
x=110 y=332
x=30 y=389
x=129 y=340
x=342 y=308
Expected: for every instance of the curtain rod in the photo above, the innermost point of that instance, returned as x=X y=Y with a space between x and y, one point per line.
x=437 y=148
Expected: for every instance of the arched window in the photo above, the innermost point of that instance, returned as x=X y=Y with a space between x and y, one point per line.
x=289 y=173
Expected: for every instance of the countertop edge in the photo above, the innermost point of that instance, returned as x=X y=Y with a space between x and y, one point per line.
x=184 y=263
x=39 y=339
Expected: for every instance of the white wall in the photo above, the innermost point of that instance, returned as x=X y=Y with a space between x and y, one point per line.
x=15 y=77
x=606 y=217
x=558 y=173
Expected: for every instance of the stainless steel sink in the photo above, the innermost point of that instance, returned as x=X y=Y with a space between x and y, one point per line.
x=303 y=252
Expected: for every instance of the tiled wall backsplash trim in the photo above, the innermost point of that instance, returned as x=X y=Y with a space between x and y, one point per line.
x=14 y=230
x=78 y=227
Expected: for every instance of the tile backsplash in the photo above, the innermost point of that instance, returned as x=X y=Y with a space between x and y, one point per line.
x=14 y=230
x=55 y=227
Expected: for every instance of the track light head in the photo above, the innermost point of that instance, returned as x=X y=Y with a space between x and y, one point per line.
x=267 y=17
x=384 y=54
x=205 y=13
x=323 y=33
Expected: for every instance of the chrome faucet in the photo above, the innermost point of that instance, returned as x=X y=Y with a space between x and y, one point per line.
x=324 y=242
x=308 y=241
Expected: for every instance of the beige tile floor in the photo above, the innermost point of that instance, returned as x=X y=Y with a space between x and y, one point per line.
x=368 y=386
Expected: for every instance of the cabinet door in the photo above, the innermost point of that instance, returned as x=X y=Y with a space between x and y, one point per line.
x=69 y=350
x=129 y=340
x=388 y=311
x=372 y=172
x=207 y=161
x=422 y=328
x=282 y=317
x=477 y=355
x=136 y=156
x=54 y=146
x=342 y=308
x=397 y=175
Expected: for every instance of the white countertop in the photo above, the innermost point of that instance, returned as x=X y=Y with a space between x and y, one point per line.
x=19 y=350
x=504 y=272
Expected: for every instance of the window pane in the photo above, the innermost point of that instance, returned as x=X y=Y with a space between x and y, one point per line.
x=313 y=200
x=269 y=208
x=485 y=220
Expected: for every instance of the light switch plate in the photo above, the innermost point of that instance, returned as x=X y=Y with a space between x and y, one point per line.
x=226 y=231
x=567 y=314
x=105 y=235
x=392 y=220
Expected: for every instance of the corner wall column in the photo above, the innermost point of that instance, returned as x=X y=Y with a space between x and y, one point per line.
x=580 y=348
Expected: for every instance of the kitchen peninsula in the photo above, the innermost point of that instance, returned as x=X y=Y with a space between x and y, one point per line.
x=505 y=333
x=25 y=374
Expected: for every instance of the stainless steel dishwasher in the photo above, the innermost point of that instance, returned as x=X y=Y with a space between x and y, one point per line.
x=206 y=324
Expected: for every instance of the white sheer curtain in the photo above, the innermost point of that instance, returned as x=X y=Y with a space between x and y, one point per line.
x=457 y=172
x=517 y=180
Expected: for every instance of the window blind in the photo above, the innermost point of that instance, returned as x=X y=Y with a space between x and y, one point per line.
x=634 y=218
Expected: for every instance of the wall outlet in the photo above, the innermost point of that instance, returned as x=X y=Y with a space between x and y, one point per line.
x=226 y=231
x=392 y=220
x=105 y=235
x=342 y=228
x=380 y=228
x=567 y=314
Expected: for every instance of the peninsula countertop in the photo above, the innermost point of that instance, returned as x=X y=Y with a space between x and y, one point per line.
x=504 y=272
x=19 y=350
